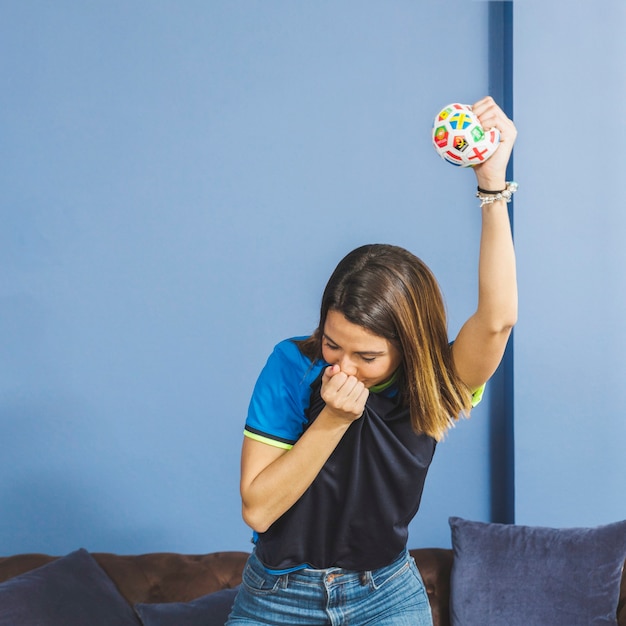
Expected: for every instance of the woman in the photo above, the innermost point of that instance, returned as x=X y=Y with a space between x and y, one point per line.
x=342 y=425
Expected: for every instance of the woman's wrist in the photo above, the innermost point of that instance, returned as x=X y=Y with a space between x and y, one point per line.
x=334 y=421
x=490 y=196
x=491 y=184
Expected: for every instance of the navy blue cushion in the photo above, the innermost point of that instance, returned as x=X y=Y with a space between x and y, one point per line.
x=71 y=591
x=210 y=610
x=511 y=575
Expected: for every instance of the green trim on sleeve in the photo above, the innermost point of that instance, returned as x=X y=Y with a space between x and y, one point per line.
x=477 y=394
x=267 y=440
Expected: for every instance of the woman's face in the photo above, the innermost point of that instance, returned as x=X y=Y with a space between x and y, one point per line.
x=358 y=352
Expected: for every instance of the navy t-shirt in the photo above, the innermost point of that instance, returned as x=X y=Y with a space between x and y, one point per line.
x=356 y=513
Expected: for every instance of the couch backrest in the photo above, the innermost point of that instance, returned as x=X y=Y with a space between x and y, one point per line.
x=170 y=577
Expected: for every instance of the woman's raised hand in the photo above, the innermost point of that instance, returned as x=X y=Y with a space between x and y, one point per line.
x=491 y=174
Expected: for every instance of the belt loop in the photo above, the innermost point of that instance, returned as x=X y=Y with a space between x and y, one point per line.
x=364 y=578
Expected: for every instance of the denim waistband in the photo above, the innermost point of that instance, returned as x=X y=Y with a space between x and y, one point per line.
x=337 y=574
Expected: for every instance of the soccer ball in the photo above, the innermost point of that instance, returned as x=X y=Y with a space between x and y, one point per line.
x=459 y=138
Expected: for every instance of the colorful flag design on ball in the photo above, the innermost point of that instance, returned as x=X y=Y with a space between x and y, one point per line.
x=459 y=138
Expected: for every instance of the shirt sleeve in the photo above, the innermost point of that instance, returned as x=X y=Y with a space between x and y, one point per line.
x=276 y=414
x=477 y=394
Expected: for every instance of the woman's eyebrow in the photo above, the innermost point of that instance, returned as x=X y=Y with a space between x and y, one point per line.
x=330 y=339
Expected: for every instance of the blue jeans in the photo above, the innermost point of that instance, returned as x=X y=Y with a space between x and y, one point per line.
x=391 y=596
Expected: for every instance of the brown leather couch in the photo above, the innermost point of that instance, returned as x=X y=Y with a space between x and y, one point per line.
x=167 y=577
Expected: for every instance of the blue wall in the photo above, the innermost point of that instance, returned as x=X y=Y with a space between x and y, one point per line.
x=180 y=179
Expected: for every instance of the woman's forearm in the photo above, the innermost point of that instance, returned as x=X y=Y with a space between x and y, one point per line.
x=268 y=494
x=497 y=283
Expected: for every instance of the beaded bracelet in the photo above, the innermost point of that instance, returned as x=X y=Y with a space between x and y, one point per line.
x=489 y=197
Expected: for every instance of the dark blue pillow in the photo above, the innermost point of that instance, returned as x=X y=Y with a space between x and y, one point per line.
x=210 y=610
x=508 y=575
x=71 y=591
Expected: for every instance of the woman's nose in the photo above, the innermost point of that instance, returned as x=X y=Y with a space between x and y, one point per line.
x=347 y=366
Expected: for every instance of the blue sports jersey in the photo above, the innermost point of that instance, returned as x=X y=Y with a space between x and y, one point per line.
x=281 y=396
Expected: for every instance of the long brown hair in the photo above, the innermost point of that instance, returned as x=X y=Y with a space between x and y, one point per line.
x=393 y=294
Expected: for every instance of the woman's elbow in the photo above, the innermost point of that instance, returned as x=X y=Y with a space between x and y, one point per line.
x=504 y=322
x=255 y=518
x=508 y=322
x=500 y=327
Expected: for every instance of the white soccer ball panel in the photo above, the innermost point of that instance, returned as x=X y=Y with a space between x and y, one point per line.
x=459 y=138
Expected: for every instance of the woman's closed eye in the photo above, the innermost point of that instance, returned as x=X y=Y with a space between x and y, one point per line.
x=366 y=358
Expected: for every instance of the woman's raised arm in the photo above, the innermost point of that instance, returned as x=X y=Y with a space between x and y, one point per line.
x=480 y=344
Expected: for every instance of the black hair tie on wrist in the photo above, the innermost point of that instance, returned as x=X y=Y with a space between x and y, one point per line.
x=489 y=197
x=494 y=193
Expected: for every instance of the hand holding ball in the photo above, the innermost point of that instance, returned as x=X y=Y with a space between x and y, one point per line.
x=459 y=138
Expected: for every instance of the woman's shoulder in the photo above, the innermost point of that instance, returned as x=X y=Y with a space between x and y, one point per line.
x=288 y=373
x=287 y=353
x=289 y=347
